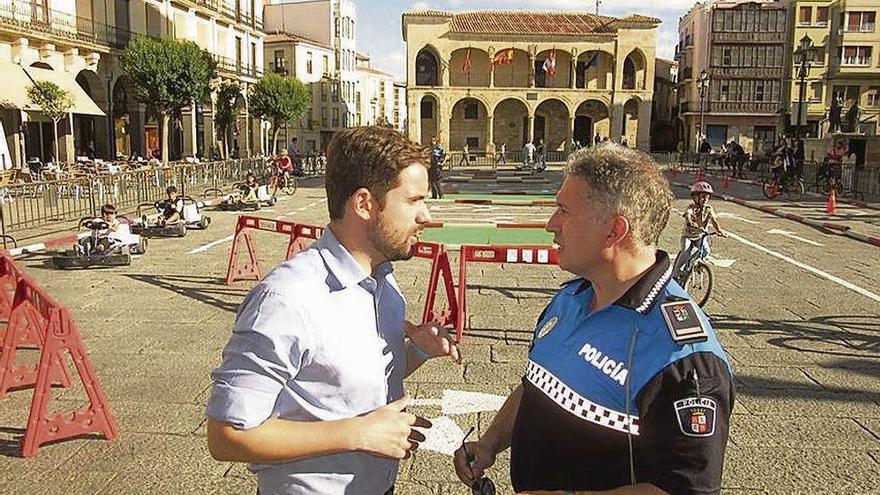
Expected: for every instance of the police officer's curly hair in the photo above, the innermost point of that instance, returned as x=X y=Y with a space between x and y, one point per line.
x=625 y=182
x=371 y=157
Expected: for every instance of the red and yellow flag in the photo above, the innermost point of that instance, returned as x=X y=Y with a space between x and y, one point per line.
x=503 y=57
x=466 y=67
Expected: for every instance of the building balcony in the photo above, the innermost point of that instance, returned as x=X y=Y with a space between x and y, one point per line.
x=743 y=107
x=229 y=67
x=748 y=72
x=36 y=20
x=750 y=38
x=223 y=8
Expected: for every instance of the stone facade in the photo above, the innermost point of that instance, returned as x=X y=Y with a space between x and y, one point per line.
x=603 y=81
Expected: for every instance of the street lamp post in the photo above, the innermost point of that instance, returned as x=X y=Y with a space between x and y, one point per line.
x=802 y=56
x=702 y=86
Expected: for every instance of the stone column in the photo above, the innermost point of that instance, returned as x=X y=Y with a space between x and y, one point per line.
x=531 y=126
x=66 y=150
x=443 y=124
x=574 y=72
x=490 y=140
x=643 y=131
x=569 y=135
x=531 y=70
x=189 y=131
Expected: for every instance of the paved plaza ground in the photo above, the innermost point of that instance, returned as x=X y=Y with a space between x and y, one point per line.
x=799 y=314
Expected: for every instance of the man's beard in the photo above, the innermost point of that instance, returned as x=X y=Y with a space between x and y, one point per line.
x=390 y=243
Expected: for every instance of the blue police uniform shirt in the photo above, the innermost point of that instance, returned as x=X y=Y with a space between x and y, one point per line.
x=647 y=369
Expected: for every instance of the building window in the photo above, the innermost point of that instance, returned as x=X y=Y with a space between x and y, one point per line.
x=308 y=62
x=816 y=92
x=335 y=117
x=280 y=62
x=822 y=16
x=325 y=68
x=759 y=90
x=471 y=111
x=861 y=21
x=726 y=56
x=324 y=117
x=324 y=91
x=725 y=91
x=334 y=92
x=805 y=16
x=856 y=55
x=873 y=96
x=848 y=94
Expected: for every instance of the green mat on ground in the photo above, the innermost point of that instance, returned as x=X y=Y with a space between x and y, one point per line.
x=487 y=236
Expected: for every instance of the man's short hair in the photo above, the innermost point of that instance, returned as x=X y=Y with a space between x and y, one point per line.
x=108 y=209
x=170 y=189
x=623 y=181
x=369 y=157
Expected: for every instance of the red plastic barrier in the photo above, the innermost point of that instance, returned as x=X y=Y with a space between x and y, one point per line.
x=301 y=236
x=35 y=318
x=529 y=255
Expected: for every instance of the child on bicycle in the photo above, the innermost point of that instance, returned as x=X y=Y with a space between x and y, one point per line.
x=697 y=218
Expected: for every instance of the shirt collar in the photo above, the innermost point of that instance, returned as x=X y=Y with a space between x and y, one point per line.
x=641 y=296
x=342 y=266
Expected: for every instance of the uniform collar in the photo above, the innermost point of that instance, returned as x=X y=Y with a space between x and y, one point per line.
x=343 y=267
x=641 y=296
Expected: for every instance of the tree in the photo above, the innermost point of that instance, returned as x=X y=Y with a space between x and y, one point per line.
x=224 y=112
x=53 y=102
x=278 y=100
x=168 y=75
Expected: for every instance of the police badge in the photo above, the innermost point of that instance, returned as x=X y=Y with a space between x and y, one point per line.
x=550 y=325
x=696 y=416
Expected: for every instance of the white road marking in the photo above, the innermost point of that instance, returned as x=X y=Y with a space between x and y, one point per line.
x=724 y=214
x=210 y=245
x=443 y=436
x=816 y=271
x=792 y=236
x=721 y=263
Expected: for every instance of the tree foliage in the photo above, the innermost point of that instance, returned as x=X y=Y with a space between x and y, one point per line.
x=279 y=100
x=224 y=111
x=169 y=75
x=53 y=102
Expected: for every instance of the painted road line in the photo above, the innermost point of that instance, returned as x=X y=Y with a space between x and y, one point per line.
x=791 y=235
x=724 y=214
x=815 y=271
x=202 y=249
x=209 y=245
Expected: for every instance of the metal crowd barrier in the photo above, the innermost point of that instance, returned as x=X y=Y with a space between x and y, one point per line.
x=34 y=204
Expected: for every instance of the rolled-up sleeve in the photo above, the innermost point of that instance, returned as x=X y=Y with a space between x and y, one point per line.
x=264 y=353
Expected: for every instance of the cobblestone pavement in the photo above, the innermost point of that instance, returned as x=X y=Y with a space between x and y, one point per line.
x=800 y=320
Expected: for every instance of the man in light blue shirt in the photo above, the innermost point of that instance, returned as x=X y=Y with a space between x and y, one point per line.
x=310 y=391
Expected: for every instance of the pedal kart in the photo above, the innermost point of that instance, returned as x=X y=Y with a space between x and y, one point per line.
x=192 y=218
x=118 y=247
x=235 y=200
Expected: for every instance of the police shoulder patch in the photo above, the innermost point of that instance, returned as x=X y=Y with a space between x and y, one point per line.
x=682 y=319
x=547 y=327
x=696 y=416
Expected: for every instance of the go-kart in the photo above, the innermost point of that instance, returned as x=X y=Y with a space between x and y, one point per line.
x=235 y=201
x=192 y=218
x=117 y=247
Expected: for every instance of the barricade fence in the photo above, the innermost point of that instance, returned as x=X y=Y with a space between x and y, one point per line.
x=37 y=203
x=35 y=320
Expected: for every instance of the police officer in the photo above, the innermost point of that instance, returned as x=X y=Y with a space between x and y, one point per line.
x=627 y=388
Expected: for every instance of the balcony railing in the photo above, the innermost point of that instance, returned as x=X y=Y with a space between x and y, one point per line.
x=230 y=66
x=26 y=16
x=769 y=107
x=241 y=17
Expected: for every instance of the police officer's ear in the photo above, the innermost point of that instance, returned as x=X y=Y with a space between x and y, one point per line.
x=618 y=231
x=363 y=204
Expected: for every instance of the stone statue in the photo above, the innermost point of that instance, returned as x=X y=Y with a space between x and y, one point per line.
x=834 y=113
x=852 y=118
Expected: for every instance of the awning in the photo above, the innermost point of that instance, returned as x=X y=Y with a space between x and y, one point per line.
x=13 y=90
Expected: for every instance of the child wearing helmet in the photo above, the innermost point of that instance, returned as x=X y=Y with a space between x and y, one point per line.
x=697 y=218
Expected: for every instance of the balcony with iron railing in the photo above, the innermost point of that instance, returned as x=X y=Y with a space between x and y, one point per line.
x=223 y=8
x=744 y=107
x=28 y=18
x=228 y=66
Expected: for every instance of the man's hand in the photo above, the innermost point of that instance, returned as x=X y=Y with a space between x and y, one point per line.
x=482 y=456
x=432 y=339
x=388 y=431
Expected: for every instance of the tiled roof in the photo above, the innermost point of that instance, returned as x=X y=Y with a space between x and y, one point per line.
x=282 y=37
x=370 y=70
x=531 y=22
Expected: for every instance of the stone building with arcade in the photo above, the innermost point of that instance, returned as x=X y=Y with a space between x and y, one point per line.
x=484 y=78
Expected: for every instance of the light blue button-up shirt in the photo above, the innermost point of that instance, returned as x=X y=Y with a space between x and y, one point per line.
x=318 y=339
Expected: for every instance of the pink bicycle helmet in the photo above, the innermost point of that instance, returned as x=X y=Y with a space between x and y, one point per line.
x=702 y=187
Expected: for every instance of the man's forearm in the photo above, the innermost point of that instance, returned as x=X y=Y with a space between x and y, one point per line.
x=413 y=359
x=499 y=434
x=280 y=440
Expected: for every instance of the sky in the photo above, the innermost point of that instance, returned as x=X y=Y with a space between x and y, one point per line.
x=379 y=32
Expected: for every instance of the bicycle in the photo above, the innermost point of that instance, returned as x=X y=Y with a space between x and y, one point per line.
x=695 y=275
x=282 y=180
x=788 y=184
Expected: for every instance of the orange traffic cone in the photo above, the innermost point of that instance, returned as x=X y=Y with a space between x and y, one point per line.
x=699 y=175
x=832 y=203
x=726 y=182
